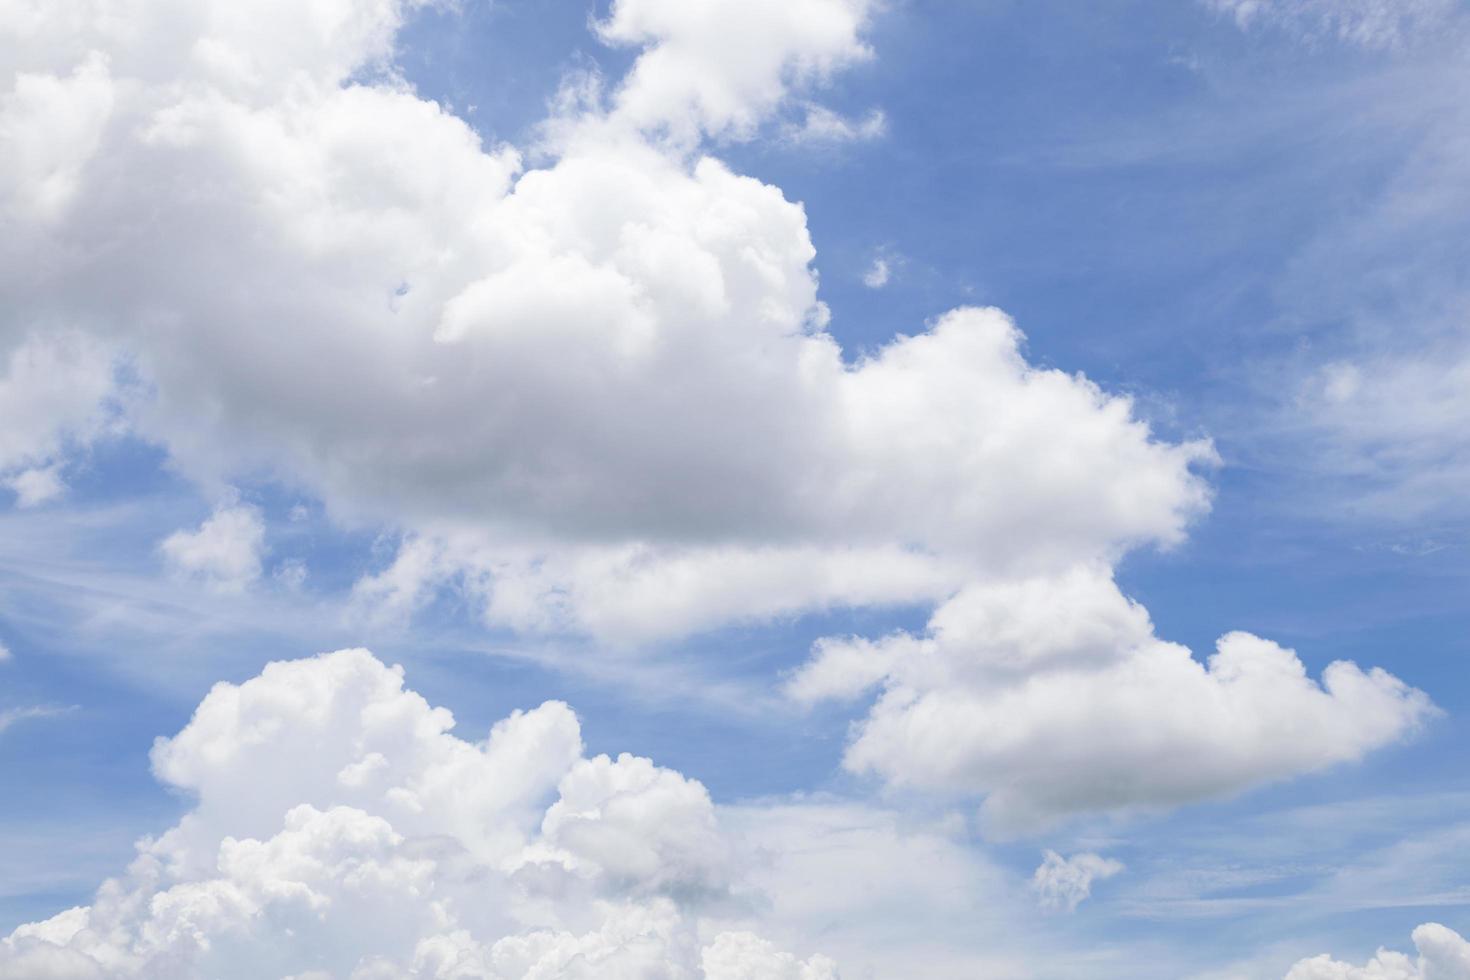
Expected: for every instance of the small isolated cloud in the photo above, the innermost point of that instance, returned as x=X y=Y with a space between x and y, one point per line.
x=291 y=574
x=36 y=486
x=822 y=125
x=11 y=716
x=1443 y=955
x=1064 y=883
x=224 y=552
x=878 y=274
x=5 y=655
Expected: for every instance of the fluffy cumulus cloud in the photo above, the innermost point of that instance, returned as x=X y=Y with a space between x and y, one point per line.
x=1064 y=883
x=224 y=551
x=707 y=70
x=594 y=386
x=1443 y=955
x=390 y=848
x=1052 y=696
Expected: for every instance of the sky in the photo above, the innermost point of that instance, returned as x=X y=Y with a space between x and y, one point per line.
x=734 y=489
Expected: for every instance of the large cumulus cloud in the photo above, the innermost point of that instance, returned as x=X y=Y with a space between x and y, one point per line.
x=592 y=385
x=340 y=829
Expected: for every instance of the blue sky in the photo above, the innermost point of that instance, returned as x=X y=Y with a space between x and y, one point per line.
x=1249 y=218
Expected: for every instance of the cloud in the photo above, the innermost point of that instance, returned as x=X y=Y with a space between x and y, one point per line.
x=1368 y=23
x=11 y=716
x=50 y=127
x=1443 y=955
x=53 y=387
x=719 y=67
x=821 y=125
x=743 y=956
x=600 y=390
x=1063 y=883
x=390 y=847
x=1395 y=424
x=36 y=486
x=1052 y=696
x=224 y=552
x=877 y=275
x=810 y=866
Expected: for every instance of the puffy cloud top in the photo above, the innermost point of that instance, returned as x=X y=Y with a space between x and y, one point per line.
x=1443 y=955
x=340 y=830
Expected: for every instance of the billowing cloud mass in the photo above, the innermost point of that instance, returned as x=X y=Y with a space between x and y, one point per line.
x=1053 y=696
x=1443 y=955
x=594 y=387
x=1064 y=883
x=387 y=847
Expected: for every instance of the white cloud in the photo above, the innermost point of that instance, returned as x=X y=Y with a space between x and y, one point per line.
x=820 y=125
x=11 y=716
x=1052 y=696
x=599 y=390
x=5 y=654
x=50 y=127
x=811 y=865
x=1443 y=955
x=1064 y=883
x=1394 y=424
x=36 y=486
x=1369 y=23
x=743 y=956
x=878 y=274
x=599 y=393
x=225 y=551
x=1369 y=412
x=52 y=390
x=720 y=66
x=291 y=574
x=390 y=847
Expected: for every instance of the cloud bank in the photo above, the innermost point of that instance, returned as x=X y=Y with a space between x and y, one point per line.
x=340 y=830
